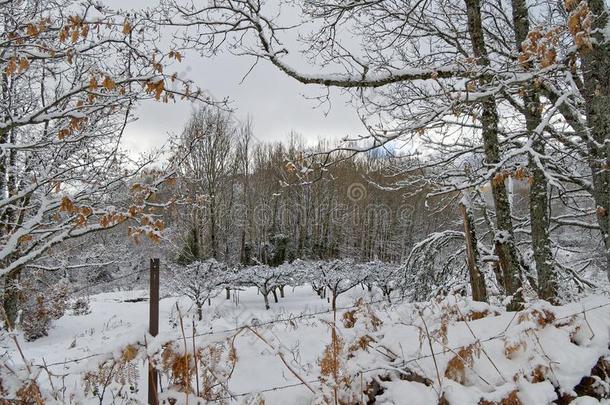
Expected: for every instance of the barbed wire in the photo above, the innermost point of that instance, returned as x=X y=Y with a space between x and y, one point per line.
x=238 y=328
x=313 y=315
x=404 y=362
x=286 y=386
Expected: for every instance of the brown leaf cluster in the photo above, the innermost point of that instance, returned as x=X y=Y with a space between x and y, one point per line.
x=579 y=24
x=540 y=47
x=464 y=358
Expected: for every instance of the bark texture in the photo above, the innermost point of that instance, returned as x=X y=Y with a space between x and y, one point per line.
x=504 y=241
x=538 y=196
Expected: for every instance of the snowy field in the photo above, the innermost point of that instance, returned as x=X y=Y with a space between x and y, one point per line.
x=536 y=355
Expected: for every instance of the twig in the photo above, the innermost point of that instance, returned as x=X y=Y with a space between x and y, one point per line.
x=438 y=374
x=281 y=356
x=50 y=379
x=584 y=314
x=186 y=357
x=195 y=360
x=479 y=342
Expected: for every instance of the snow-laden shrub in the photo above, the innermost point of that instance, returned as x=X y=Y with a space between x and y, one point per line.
x=41 y=304
x=434 y=266
x=117 y=377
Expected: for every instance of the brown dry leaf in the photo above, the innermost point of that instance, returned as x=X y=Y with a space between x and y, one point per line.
x=67 y=205
x=11 y=67
x=601 y=211
x=108 y=83
x=31 y=30
x=93 y=83
x=510 y=350
x=24 y=64
x=24 y=238
x=63 y=34
x=538 y=374
x=63 y=133
x=498 y=179
x=126 y=27
x=129 y=353
x=511 y=399
x=456 y=368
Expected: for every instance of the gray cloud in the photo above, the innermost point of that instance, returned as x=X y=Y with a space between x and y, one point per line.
x=276 y=103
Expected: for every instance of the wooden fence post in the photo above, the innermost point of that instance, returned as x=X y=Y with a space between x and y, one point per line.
x=153 y=326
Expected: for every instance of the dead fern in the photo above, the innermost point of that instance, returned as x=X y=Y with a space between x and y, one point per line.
x=458 y=366
x=178 y=367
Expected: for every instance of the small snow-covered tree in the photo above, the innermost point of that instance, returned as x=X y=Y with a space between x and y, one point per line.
x=383 y=275
x=41 y=303
x=310 y=272
x=199 y=281
x=263 y=277
x=340 y=276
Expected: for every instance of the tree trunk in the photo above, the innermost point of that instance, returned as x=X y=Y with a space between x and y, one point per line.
x=596 y=72
x=477 y=280
x=388 y=293
x=11 y=297
x=538 y=196
x=213 y=236
x=539 y=216
x=274 y=292
x=199 y=310
x=503 y=239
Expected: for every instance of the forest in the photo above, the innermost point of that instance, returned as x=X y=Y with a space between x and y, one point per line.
x=455 y=251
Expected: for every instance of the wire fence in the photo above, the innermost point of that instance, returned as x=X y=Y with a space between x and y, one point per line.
x=239 y=328
x=404 y=361
x=292 y=318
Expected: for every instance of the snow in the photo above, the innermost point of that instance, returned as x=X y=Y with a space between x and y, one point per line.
x=568 y=345
x=399 y=392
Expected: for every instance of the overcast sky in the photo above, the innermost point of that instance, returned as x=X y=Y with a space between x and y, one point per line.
x=276 y=103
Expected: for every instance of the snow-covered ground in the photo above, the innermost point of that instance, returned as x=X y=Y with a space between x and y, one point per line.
x=529 y=353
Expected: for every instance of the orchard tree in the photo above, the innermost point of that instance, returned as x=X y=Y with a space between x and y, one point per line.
x=199 y=281
x=263 y=277
x=386 y=276
x=340 y=276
